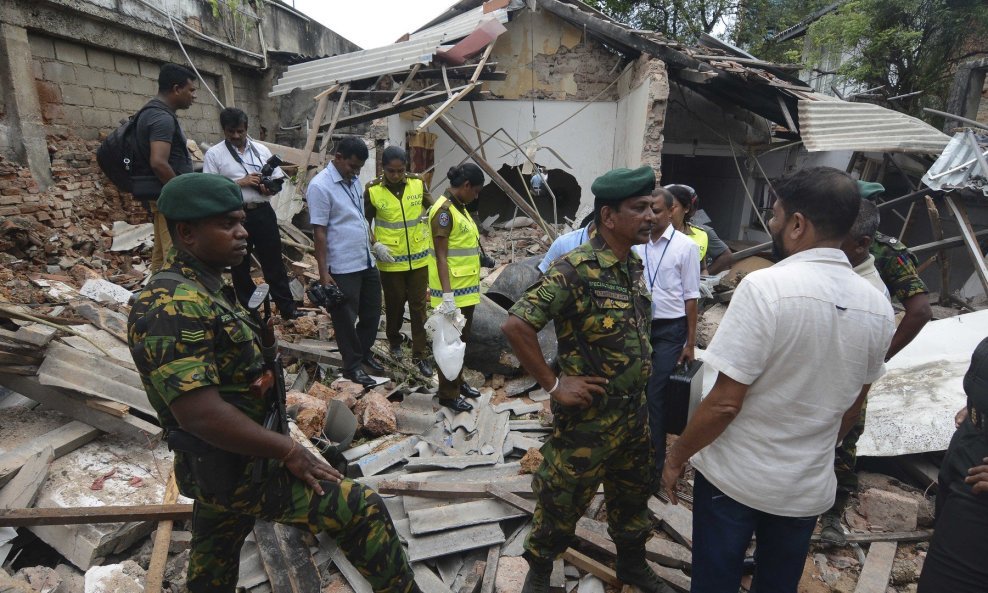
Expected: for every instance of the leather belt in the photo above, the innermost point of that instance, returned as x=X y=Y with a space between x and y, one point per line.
x=254 y=205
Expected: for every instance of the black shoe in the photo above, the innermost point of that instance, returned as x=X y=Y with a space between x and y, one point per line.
x=424 y=368
x=288 y=312
x=537 y=579
x=457 y=405
x=467 y=391
x=396 y=352
x=632 y=569
x=831 y=531
x=373 y=364
x=359 y=376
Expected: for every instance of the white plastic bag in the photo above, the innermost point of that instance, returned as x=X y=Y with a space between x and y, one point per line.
x=447 y=347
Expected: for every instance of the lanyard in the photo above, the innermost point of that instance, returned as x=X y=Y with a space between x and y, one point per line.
x=352 y=195
x=652 y=277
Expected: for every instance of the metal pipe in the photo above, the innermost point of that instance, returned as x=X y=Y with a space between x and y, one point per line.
x=957 y=118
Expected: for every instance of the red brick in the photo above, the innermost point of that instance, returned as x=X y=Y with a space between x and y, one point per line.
x=11 y=191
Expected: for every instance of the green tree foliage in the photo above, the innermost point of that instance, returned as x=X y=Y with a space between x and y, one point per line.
x=905 y=45
x=683 y=20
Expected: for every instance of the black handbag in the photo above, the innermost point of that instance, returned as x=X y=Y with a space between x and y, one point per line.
x=685 y=384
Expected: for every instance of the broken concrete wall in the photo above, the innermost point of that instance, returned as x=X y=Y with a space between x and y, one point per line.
x=568 y=64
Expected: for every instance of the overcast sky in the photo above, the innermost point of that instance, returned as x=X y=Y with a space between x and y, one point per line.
x=372 y=23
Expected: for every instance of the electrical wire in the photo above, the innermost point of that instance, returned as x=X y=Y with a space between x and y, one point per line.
x=194 y=69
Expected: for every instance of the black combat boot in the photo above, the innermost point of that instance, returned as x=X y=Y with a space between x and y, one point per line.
x=537 y=580
x=632 y=569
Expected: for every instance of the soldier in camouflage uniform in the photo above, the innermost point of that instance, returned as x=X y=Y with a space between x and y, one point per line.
x=198 y=352
x=602 y=310
x=897 y=267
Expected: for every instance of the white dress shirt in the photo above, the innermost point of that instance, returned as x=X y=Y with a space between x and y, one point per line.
x=219 y=160
x=672 y=272
x=805 y=335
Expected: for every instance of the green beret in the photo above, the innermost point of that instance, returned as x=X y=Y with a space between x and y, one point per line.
x=199 y=195
x=620 y=184
x=869 y=189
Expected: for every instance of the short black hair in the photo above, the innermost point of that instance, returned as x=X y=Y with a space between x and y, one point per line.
x=827 y=197
x=665 y=194
x=232 y=117
x=173 y=74
x=394 y=153
x=866 y=224
x=466 y=172
x=352 y=146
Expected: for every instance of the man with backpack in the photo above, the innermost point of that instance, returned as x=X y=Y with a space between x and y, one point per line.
x=160 y=147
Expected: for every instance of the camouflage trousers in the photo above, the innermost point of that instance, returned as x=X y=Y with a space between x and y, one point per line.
x=845 y=459
x=607 y=443
x=351 y=513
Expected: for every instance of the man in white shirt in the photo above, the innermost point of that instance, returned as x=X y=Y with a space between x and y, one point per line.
x=241 y=160
x=796 y=353
x=672 y=274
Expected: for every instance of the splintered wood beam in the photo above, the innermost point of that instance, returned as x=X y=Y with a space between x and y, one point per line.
x=406 y=104
x=159 y=552
x=310 y=139
x=482 y=63
x=877 y=568
x=970 y=241
x=449 y=91
x=328 y=135
x=453 y=100
x=495 y=176
x=91 y=515
x=404 y=85
x=942 y=257
x=326 y=93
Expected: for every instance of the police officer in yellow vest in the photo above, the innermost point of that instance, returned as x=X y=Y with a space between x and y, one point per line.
x=454 y=266
x=396 y=203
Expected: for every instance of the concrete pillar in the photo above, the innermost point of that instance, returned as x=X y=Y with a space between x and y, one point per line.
x=24 y=108
x=226 y=89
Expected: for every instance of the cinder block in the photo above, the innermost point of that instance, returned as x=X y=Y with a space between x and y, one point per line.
x=100 y=59
x=74 y=94
x=36 y=71
x=149 y=69
x=118 y=82
x=127 y=65
x=41 y=47
x=94 y=79
x=131 y=102
x=70 y=52
x=59 y=72
x=106 y=99
x=889 y=510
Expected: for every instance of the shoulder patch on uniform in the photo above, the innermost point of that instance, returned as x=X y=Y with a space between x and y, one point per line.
x=883 y=238
x=444 y=219
x=544 y=293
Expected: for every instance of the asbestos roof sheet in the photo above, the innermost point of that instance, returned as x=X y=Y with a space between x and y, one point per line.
x=840 y=125
x=397 y=57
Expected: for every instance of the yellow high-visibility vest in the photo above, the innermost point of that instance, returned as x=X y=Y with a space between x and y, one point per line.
x=463 y=258
x=699 y=237
x=398 y=225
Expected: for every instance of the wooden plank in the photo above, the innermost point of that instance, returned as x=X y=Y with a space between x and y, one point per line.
x=676 y=519
x=302 y=571
x=159 y=550
x=446 y=490
x=658 y=550
x=557 y=579
x=454 y=516
x=406 y=104
x=275 y=565
x=62 y=440
x=405 y=83
x=90 y=515
x=877 y=568
x=310 y=143
x=109 y=407
x=892 y=536
x=328 y=134
x=356 y=580
x=22 y=490
x=326 y=92
x=439 y=111
x=677 y=579
x=943 y=259
x=93 y=375
x=588 y=564
x=74 y=405
x=977 y=258
x=471 y=584
x=490 y=572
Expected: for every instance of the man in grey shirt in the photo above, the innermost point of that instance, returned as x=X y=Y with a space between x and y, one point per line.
x=161 y=148
x=343 y=253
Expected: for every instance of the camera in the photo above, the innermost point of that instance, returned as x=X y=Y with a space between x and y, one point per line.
x=273 y=185
x=328 y=296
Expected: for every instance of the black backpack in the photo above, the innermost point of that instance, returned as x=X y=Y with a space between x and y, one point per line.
x=118 y=153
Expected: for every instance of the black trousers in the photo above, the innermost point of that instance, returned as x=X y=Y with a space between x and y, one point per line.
x=668 y=338
x=357 y=321
x=264 y=241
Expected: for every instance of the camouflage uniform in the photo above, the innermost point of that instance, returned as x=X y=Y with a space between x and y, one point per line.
x=181 y=340
x=602 y=312
x=897 y=267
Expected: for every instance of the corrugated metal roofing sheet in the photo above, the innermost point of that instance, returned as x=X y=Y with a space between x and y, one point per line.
x=839 y=125
x=397 y=57
x=958 y=166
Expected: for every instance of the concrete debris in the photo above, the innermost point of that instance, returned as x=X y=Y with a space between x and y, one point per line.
x=377 y=416
x=531 y=461
x=309 y=412
x=125 y=577
x=889 y=511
